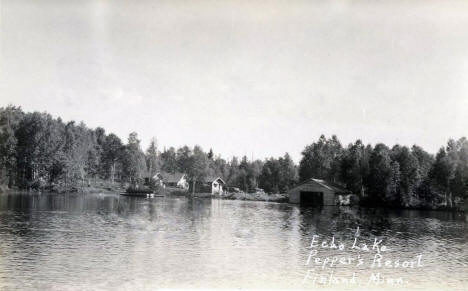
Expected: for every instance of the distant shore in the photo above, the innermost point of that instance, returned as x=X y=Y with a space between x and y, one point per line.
x=116 y=189
x=278 y=198
x=60 y=189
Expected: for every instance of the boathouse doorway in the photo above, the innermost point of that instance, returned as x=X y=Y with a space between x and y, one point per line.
x=311 y=198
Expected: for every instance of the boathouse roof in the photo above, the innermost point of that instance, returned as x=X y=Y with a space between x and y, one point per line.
x=326 y=184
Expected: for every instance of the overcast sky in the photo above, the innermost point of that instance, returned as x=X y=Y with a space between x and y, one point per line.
x=244 y=77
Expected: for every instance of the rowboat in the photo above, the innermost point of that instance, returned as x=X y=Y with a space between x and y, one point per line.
x=147 y=195
x=141 y=192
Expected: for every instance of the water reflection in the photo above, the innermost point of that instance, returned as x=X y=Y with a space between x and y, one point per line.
x=113 y=242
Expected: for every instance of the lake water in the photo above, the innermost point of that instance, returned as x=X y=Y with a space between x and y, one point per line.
x=112 y=242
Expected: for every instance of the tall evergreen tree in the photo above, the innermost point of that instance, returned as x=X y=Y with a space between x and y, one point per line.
x=113 y=153
x=152 y=163
x=169 y=160
x=134 y=160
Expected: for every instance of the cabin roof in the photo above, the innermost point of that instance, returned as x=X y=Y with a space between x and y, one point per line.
x=170 y=177
x=211 y=179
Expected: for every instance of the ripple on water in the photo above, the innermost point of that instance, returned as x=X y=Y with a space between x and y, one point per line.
x=92 y=242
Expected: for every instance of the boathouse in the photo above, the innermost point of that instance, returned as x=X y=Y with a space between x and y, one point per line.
x=316 y=192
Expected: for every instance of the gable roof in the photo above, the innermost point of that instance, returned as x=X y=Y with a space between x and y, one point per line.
x=170 y=177
x=329 y=185
x=211 y=179
x=326 y=184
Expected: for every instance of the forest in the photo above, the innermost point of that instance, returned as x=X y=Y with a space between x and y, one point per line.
x=37 y=151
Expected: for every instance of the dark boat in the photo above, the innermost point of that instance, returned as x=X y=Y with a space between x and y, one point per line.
x=141 y=192
x=148 y=195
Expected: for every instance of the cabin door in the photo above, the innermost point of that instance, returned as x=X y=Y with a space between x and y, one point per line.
x=311 y=198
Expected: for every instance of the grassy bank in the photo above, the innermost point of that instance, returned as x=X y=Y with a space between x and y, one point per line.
x=237 y=196
x=63 y=189
x=82 y=189
x=256 y=197
x=231 y=196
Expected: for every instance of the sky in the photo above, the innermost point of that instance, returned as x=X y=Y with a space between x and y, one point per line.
x=255 y=78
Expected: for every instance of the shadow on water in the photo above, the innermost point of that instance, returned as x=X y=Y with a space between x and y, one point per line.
x=342 y=221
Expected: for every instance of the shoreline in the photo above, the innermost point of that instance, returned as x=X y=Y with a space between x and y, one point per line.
x=65 y=190
x=261 y=197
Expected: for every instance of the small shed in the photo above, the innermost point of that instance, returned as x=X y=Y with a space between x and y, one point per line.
x=316 y=192
x=210 y=184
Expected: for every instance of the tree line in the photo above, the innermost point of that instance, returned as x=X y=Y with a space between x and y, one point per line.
x=37 y=149
x=398 y=176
